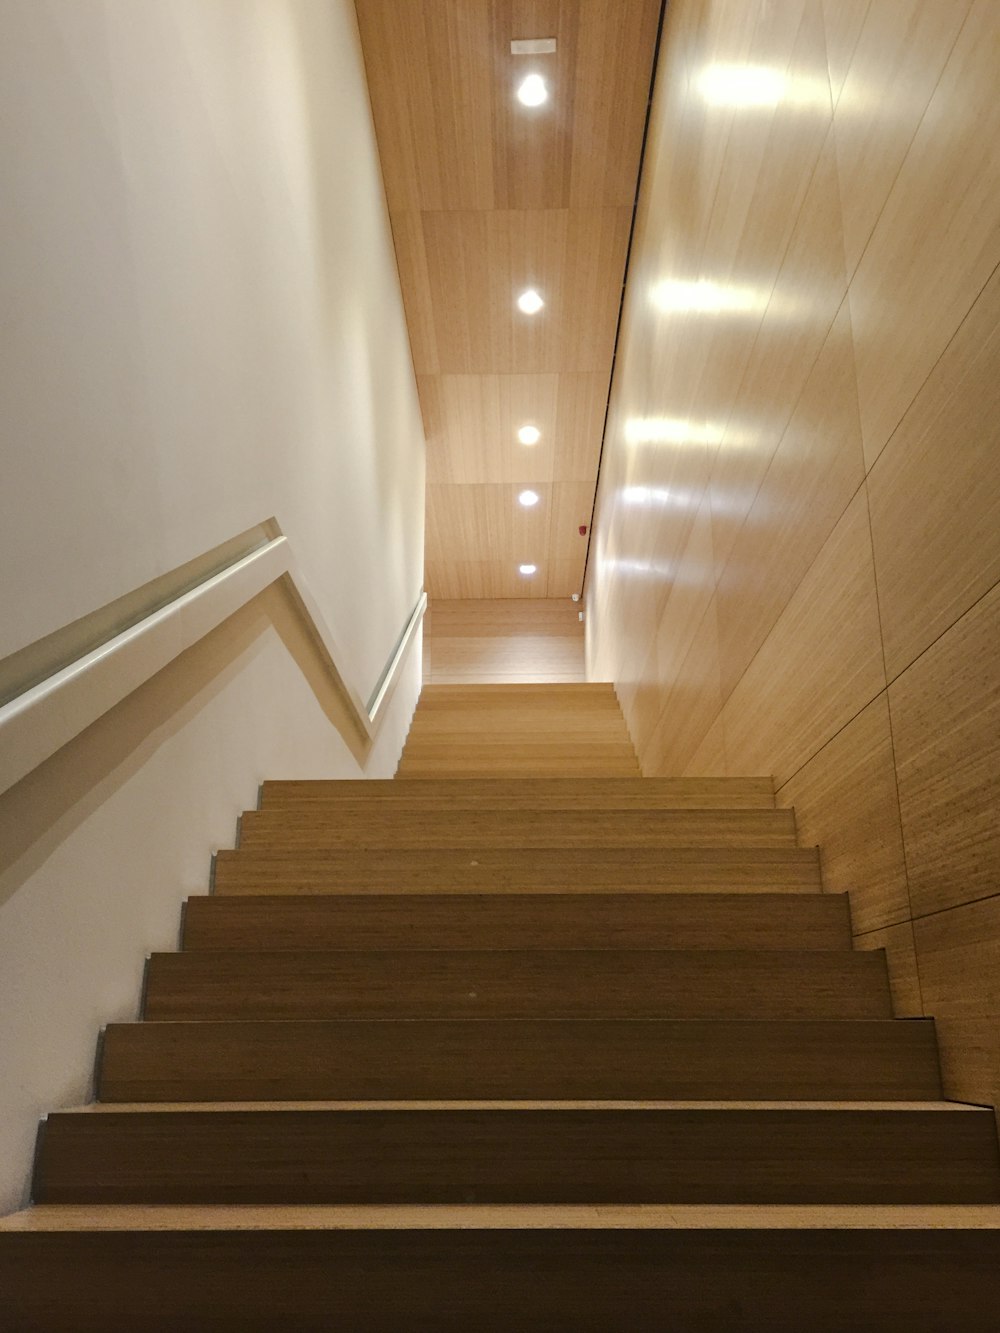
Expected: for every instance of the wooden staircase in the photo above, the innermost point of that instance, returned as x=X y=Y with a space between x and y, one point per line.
x=525 y=1042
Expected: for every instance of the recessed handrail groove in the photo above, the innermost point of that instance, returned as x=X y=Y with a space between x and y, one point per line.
x=39 y=720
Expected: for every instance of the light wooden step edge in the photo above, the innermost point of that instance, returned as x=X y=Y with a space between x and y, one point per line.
x=947 y=1218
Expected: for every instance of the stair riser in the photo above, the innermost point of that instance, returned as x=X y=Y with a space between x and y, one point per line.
x=528 y=921
x=597 y=984
x=578 y=763
x=516 y=870
x=805 y=1060
x=495 y=1282
x=553 y=794
x=360 y=825
x=607 y=1156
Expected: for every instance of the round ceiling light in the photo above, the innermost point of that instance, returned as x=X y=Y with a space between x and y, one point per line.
x=531 y=91
x=529 y=434
x=530 y=302
x=527 y=569
x=528 y=498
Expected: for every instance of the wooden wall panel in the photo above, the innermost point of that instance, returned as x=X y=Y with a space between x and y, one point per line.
x=900 y=49
x=916 y=282
x=941 y=464
x=809 y=348
x=960 y=960
x=795 y=695
x=901 y=959
x=482 y=642
x=692 y=701
x=946 y=728
x=846 y=802
x=816 y=468
x=709 y=760
x=843 y=21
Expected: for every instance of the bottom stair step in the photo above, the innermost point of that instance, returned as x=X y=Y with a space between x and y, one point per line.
x=585 y=1270
x=521 y=1153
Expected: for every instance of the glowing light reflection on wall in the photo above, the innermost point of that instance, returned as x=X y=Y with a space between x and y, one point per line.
x=671 y=430
x=706 y=297
x=763 y=86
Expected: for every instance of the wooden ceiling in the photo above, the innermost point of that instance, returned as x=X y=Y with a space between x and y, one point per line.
x=488 y=197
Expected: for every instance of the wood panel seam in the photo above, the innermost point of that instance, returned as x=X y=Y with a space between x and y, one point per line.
x=899 y=170
x=892 y=745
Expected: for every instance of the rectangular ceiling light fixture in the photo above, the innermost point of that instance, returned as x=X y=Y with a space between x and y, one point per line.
x=533 y=46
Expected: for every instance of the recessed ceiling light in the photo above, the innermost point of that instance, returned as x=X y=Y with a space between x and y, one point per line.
x=531 y=91
x=527 y=569
x=529 y=434
x=528 y=498
x=530 y=302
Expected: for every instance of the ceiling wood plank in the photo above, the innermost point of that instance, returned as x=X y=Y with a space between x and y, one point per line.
x=488 y=197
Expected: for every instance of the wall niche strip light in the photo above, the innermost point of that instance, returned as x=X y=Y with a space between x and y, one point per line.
x=530 y=302
x=529 y=435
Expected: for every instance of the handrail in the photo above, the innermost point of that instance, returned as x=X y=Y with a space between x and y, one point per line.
x=40 y=720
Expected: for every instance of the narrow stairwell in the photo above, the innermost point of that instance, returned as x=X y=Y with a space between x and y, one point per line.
x=517 y=1041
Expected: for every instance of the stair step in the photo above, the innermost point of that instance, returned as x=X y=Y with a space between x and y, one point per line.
x=522 y=921
x=527 y=794
x=544 y=695
x=360 y=824
x=550 y=762
x=884 y=1059
x=860 y=1153
x=504 y=720
x=697 y=984
x=592 y=1270
x=520 y=870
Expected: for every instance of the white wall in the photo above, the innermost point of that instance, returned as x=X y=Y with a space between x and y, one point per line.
x=201 y=328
